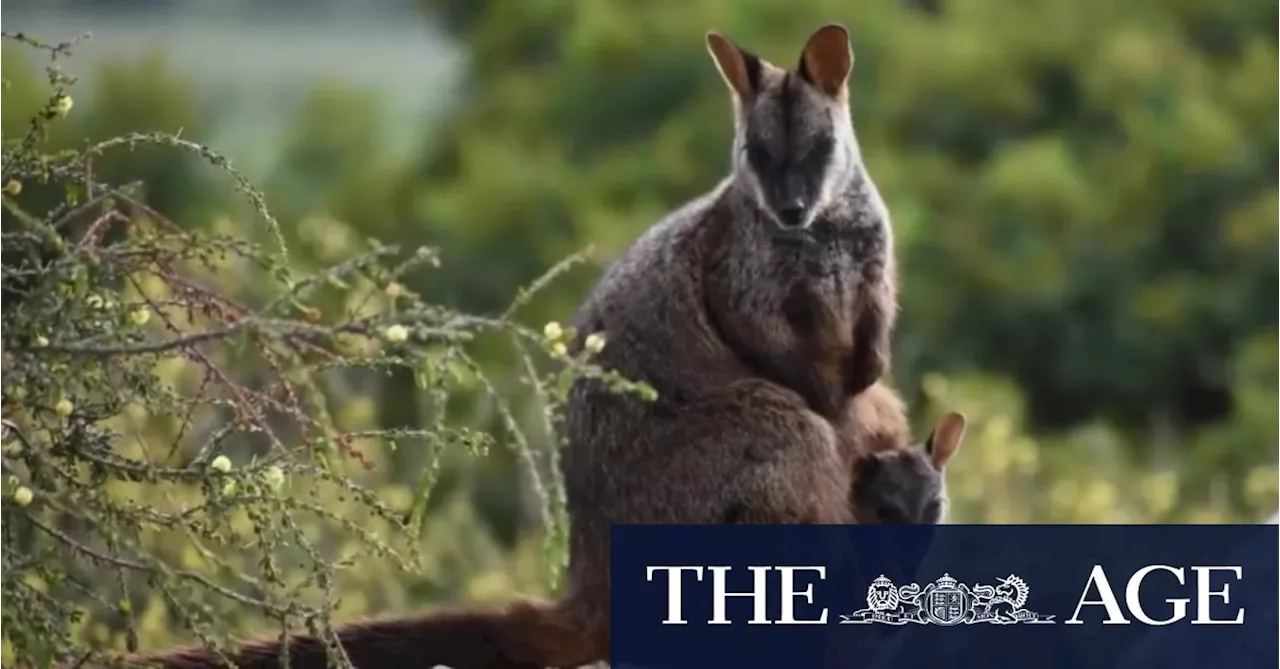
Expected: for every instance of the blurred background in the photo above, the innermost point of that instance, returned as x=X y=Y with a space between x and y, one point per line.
x=1084 y=194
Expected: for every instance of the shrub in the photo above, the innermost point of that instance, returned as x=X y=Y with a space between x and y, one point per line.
x=175 y=451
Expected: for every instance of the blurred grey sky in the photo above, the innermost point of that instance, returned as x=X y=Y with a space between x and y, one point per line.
x=254 y=59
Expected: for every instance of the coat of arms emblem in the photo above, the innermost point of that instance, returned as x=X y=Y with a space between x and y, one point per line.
x=946 y=602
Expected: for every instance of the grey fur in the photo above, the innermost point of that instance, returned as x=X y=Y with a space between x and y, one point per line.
x=899 y=487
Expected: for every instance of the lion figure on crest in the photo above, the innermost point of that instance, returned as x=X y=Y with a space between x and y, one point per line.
x=881 y=595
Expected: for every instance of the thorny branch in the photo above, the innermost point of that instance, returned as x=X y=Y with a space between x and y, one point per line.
x=165 y=399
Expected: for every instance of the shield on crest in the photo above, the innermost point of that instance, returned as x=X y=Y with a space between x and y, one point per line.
x=946 y=606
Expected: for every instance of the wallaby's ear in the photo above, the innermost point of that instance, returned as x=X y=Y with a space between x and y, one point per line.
x=945 y=439
x=739 y=67
x=827 y=59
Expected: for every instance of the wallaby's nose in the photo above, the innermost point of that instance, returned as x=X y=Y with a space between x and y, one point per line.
x=791 y=214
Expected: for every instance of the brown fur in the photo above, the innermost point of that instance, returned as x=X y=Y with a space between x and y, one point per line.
x=527 y=635
x=761 y=312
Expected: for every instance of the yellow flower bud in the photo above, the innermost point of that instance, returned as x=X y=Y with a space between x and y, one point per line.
x=552 y=331
x=396 y=333
x=140 y=316
x=42 y=341
x=13 y=187
x=221 y=463
x=560 y=349
x=23 y=496
x=274 y=476
x=64 y=407
x=594 y=342
x=63 y=105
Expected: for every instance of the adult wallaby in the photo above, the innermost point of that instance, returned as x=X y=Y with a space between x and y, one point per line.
x=761 y=312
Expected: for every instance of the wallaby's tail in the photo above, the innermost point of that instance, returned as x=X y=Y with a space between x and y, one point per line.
x=528 y=635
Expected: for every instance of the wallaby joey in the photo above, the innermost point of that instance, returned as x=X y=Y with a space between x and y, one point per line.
x=908 y=486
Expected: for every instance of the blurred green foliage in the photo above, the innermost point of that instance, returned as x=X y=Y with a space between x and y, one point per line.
x=1083 y=192
x=1084 y=196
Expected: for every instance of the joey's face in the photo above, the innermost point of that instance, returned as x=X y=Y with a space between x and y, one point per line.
x=908 y=486
x=794 y=147
x=899 y=487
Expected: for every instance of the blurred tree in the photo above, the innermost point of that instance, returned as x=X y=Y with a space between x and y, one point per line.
x=1085 y=192
x=139 y=95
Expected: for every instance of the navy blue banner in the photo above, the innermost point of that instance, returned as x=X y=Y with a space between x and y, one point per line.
x=1043 y=596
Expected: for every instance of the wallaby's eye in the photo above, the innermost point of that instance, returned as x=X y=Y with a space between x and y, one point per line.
x=758 y=157
x=820 y=152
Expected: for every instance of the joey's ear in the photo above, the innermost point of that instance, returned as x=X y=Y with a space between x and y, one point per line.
x=945 y=439
x=827 y=59
x=739 y=67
